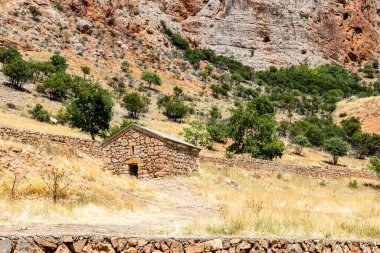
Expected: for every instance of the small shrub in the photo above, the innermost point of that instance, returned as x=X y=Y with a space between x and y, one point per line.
x=35 y=12
x=353 y=184
x=57 y=182
x=374 y=165
x=230 y=154
x=300 y=142
x=342 y=114
x=11 y=106
x=59 y=6
x=39 y=113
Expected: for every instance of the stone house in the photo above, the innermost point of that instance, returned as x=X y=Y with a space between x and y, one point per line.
x=147 y=153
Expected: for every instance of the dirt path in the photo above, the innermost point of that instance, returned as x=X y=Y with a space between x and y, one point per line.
x=176 y=203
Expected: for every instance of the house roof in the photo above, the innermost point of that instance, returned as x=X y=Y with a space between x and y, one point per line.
x=148 y=131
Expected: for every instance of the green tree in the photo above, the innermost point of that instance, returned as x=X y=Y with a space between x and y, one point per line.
x=174 y=108
x=374 y=164
x=197 y=134
x=360 y=143
x=300 y=142
x=135 y=103
x=351 y=126
x=42 y=69
x=59 y=62
x=252 y=127
x=58 y=86
x=18 y=71
x=86 y=71
x=90 y=109
x=8 y=54
x=39 y=113
x=282 y=128
x=151 y=78
x=336 y=147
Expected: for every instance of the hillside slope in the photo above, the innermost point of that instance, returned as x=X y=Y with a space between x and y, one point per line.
x=258 y=33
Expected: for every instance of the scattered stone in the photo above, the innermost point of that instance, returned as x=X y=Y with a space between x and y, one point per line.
x=215 y=244
x=43 y=243
x=142 y=242
x=67 y=239
x=176 y=247
x=197 y=248
x=78 y=245
x=63 y=249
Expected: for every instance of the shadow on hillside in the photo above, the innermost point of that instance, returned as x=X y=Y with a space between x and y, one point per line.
x=337 y=165
x=18 y=88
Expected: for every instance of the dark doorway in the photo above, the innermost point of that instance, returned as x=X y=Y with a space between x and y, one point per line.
x=133 y=170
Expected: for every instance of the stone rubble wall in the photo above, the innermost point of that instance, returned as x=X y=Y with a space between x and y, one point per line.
x=270 y=167
x=89 y=147
x=104 y=244
x=154 y=157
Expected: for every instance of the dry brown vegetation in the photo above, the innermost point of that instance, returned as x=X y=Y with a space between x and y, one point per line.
x=285 y=205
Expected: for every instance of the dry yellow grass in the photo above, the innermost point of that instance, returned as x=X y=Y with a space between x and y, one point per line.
x=23 y=123
x=285 y=206
x=367 y=109
x=93 y=192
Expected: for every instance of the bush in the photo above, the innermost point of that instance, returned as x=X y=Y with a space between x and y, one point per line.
x=151 y=78
x=174 y=108
x=351 y=126
x=374 y=164
x=135 y=104
x=35 y=12
x=39 y=113
x=218 y=132
x=273 y=150
x=59 y=62
x=336 y=147
x=220 y=89
x=59 y=6
x=342 y=114
x=125 y=65
x=8 y=54
x=18 y=71
x=369 y=71
x=353 y=184
x=86 y=71
x=300 y=142
x=197 y=134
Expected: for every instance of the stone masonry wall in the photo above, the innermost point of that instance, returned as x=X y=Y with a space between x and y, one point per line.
x=155 y=158
x=89 y=147
x=269 y=167
x=104 y=244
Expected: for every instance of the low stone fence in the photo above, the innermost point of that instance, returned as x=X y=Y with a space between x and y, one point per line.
x=269 y=167
x=94 y=149
x=103 y=244
x=34 y=138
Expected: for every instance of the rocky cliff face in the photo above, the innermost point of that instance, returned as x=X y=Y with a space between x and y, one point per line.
x=259 y=33
x=272 y=32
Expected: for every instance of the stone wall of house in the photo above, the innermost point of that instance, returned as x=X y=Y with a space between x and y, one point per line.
x=155 y=158
x=89 y=147
x=104 y=244
x=270 y=167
